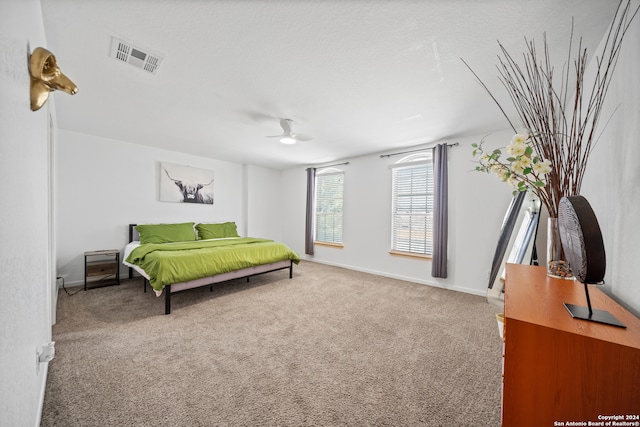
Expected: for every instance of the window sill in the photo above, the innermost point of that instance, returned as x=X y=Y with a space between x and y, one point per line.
x=410 y=255
x=329 y=244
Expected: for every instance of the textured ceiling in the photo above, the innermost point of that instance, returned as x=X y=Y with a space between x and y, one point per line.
x=360 y=76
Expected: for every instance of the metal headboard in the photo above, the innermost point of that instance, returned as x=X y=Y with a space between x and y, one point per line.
x=133 y=233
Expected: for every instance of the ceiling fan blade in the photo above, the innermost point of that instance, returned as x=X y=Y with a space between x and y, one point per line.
x=302 y=137
x=288 y=134
x=286 y=126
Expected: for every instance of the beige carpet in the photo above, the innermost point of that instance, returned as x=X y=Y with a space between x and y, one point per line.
x=329 y=347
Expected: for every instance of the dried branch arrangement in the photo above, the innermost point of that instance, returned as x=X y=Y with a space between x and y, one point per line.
x=561 y=118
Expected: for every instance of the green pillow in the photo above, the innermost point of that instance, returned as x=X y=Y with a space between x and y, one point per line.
x=166 y=233
x=217 y=231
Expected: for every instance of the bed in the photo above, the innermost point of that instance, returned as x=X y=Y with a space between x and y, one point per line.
x=176 y=257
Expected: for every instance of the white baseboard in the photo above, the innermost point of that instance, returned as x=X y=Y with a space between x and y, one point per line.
x=399 y=277
x=43 y=388
x=71 y=284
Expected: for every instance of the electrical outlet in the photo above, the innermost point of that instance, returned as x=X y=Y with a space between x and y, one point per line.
x=61 y=279
x=46 y=355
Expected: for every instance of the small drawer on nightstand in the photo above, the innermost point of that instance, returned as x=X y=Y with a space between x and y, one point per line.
x=100 y=268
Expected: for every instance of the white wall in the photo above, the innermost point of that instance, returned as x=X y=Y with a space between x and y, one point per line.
x=263 y=202
x=612 y=180
x=25 y=275
x=477 y=204
x=103 y=185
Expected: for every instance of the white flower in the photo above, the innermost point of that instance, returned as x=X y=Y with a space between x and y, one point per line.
x=519 y=138
x=500 y=171
x=516 y=148
x=520 y=165
x=522 y=158
x=542 y=167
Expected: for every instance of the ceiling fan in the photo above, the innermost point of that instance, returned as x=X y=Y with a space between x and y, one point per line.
x=288 y=136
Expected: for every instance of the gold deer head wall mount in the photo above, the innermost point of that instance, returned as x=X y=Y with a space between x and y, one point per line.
x=46 y=77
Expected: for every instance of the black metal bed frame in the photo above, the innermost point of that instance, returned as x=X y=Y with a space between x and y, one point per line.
x=167 y=288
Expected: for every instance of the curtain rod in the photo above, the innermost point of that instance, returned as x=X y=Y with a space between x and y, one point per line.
x=414 y=151
x=329 y=166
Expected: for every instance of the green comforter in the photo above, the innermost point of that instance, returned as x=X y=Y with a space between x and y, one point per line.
x=169 y=263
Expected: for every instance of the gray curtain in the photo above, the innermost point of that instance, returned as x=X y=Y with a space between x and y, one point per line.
x=308 y=231
x=440 y=211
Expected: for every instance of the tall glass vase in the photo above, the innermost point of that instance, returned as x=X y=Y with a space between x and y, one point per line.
x=557 y=265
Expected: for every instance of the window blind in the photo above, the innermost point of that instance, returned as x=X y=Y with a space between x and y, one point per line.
x=412 y=208
x=329 y=206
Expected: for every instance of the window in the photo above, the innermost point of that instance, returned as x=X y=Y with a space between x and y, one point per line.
x=412 y=205
x=328 y=202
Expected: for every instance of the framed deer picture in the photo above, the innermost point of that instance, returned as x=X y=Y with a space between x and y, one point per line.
x=185 y=184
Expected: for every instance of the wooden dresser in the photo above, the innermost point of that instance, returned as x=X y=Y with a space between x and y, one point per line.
x=559 y=370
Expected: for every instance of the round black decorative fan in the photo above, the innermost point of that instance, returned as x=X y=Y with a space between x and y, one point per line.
x=581 y=239
x=584 y=248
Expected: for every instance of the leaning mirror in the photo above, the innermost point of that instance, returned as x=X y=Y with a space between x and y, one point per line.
x=522 y=216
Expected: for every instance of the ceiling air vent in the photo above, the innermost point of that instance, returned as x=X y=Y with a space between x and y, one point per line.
x=138 y=57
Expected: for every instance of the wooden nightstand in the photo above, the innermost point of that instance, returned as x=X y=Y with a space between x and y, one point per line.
x=102 y=268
